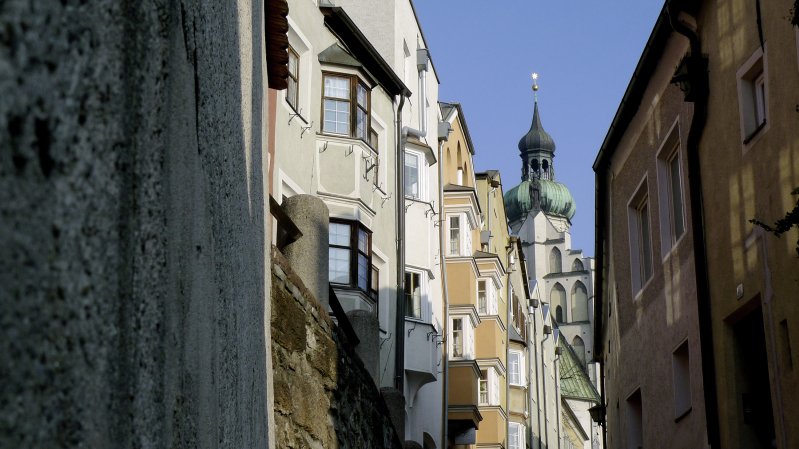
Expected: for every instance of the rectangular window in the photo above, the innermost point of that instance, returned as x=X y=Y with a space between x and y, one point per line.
x=412 y=175
x=675 y=188
x=374 y=286
x=374 y=140
x=455 y=235
x=457 y=337
x=483 y=387
x=680 y=363
x=640 y=239
x=516 y=434
x=350 y=255
x=345 y=106
x=413 y=295
x=753 y=95
x=292 y=91
x=635 y=421
x=516 y=368
x=482 y=300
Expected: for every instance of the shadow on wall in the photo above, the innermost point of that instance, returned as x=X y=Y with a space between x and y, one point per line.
x=132 y=257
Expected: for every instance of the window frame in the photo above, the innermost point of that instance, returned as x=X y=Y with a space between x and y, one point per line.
x=484 y=380
x=753 y=94
x=356 y=228
x=408 y=296
x=520 y=435
x=638 y=204
x=419 y=161
x=462 y=331
x=295 y=77
x=484 y=308
x=354 y=106
x=459 y=230
x=520 y=379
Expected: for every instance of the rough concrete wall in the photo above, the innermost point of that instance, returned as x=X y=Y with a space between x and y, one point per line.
x=132 y=233
x=324 y=396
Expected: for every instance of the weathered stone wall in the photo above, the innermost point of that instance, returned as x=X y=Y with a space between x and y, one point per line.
x=324 y=396
x=132 y=261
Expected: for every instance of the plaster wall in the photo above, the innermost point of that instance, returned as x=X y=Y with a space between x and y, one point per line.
x=132 y=252
x=744 y=181
x=646 y=327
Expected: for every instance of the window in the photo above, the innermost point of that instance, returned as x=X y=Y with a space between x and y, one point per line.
x=374 y=141
x=680 y=363
x=345 y=107
x=457 y=337
x=412 y=175
x=455 y=235
x=670 y=192
x=753 y=96
x=578 y=265
x=579 y=302
x=555 y=261
x=557 y=299
x=482 y=387
x=516 y=434
x=640 y=238
x=413 y=295
x=482 y=301
x=516 y=368
x=292 y=91
x=374 y=286
x=579 y=348
x=635 y=421
x=350 y=255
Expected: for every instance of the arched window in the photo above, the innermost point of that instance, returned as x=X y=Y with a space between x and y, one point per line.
x=555 y=261
x=557 y=299
x=579 y=302
x=578 y=265
x=579 y=348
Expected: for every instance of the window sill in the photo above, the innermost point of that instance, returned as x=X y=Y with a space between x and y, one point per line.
x=683 y=415
x=347 y=139
x=755 y=133
x=640 y=293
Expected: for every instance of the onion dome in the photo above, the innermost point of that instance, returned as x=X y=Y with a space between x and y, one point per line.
x=554 y=199
x=536 y=138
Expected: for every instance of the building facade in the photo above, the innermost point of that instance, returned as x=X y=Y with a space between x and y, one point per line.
x=691 y=267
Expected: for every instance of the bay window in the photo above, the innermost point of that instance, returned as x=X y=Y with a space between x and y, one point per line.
x=345 y=106
x=412 y=175
x=413 y=295
x=516 y=368
x=350 y=255
x=455 y=235
x=457 y=337
x=516 y=435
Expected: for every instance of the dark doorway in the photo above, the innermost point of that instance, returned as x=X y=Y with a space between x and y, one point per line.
x=752 y=382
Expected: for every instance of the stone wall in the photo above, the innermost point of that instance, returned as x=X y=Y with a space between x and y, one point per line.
x=132 y=260
x=324 y=396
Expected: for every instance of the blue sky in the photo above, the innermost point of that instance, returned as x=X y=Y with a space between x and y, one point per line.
x=585 y=53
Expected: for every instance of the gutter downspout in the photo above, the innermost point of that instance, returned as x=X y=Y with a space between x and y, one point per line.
x=557 y=399
x=403 y=132
x=537 y=377
x=544 y=388
x=599 y=249
x=443 y=133
x=399 y=354
x=698 y=77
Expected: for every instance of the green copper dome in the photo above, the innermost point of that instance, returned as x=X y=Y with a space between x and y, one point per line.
x=554 y=199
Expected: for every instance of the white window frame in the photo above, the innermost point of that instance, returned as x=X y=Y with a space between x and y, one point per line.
x=459 y=241
x=753 y=98
x=516 y=368
x=453 y=346
x=670 y=149
x=516 y=435
x=639 y=277
x=491 y=382
x=422 y=294
x=303 y=48
x=483 y=387
x=421 y=168
x=467 y=350
x=482 y=309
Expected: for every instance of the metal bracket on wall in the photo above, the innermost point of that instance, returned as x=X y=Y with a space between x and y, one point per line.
x=385 y=199
x=324 y=148
x=408 y=206
x=296 y=114
x=349 y=151
x=306 y=129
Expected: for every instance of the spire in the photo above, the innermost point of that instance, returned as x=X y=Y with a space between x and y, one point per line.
x=536 y=138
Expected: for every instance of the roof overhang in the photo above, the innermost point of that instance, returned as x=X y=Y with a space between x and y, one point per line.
x=340 y=24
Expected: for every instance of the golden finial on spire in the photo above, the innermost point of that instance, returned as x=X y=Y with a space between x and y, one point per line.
x=535 y=85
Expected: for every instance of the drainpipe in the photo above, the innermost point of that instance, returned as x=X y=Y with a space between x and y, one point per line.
x=537 y=376
x=423 y=62
x=544 y=388
x=443 y=132
x=600 y=194
x=697 y=76
x=399 y=331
